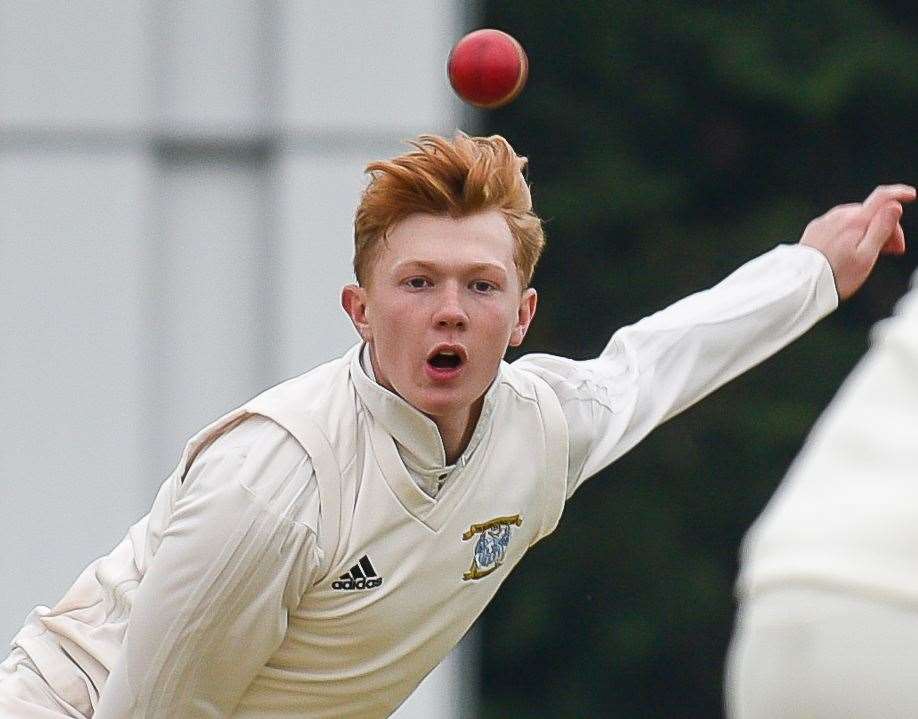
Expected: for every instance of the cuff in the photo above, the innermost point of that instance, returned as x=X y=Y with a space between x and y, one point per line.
x=826 y=294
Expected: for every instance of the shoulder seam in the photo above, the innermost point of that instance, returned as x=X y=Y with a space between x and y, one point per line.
x=507 y=383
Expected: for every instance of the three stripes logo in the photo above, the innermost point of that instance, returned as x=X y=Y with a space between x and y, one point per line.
x=360 y=576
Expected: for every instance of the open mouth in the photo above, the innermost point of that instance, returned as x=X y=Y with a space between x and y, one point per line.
x=445 y=360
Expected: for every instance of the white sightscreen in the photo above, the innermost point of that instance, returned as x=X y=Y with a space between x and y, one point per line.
x=177 y=186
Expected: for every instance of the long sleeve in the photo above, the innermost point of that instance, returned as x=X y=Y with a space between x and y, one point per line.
x=656 y=368
x=236 y=555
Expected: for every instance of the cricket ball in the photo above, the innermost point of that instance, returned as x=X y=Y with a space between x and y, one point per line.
x=487 y=68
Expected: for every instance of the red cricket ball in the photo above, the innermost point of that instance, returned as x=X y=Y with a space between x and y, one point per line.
x=487 y=68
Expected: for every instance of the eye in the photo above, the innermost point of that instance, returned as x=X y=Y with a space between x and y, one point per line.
x=417 y=283
x=483 y=286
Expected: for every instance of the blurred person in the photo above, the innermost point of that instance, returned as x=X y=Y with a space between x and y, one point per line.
x=827 y=625
x=317 y=551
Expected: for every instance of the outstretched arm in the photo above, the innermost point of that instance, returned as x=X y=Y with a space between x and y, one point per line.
x=654 y=369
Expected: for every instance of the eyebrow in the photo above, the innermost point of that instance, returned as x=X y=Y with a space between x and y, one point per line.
x=434 y=267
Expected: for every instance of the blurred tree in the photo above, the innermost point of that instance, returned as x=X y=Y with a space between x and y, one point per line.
x=669 y=143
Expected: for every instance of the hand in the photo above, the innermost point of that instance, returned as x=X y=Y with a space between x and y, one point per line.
x=853 y=236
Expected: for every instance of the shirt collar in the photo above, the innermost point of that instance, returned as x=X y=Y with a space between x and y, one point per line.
x=416 y=435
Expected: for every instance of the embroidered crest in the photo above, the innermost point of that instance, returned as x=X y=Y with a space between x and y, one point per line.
x=491 y=545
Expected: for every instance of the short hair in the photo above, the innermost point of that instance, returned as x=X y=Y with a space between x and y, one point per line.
x=457 y=177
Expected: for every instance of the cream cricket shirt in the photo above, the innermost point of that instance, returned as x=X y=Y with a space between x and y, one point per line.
x=246 y=591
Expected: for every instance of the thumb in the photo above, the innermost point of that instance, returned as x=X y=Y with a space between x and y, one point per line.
x=880 y=229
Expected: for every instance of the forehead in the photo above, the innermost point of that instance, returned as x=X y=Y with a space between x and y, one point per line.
x=440 y=239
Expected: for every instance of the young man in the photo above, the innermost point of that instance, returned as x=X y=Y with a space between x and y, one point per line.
x=827 y=626
x=319 y=550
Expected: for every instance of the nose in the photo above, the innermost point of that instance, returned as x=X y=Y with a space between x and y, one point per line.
x=450 y=312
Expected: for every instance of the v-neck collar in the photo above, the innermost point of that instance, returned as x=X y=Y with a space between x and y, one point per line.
x=409 y=442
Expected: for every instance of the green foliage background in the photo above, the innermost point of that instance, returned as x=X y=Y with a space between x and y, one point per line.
x=669 y=142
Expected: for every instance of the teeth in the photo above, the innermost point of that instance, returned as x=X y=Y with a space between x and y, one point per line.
x=449 y=352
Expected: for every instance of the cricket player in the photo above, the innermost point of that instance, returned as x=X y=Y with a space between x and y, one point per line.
x=317 y=551
x=828 y=621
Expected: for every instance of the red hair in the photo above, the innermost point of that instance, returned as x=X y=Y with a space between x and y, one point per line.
x=455 y=177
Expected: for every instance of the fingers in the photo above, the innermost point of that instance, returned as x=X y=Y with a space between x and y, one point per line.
x=882 y=230
x=885 y=194
x=884 y=203
x=895 y=245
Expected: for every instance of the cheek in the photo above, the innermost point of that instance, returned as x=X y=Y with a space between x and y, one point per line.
x=499 y=322
x=396 y=326
x=508 y=317
x=386 y=314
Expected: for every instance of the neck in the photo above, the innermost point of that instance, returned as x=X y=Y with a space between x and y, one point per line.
x=456 y=431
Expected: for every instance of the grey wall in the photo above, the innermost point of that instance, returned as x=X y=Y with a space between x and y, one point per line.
x=177 y=186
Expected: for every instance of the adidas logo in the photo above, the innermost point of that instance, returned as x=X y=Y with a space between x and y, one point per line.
x=360 y=576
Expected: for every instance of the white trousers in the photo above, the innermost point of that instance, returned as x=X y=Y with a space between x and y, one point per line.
x=819 y=654
x=24 y=693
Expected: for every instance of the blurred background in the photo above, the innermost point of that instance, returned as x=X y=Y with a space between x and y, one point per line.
x=177 y=185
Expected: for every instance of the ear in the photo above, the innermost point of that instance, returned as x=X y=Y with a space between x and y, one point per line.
x=354 y=302
x=525 y=312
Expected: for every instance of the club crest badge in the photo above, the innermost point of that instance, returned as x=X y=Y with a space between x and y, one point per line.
x=493 y=540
